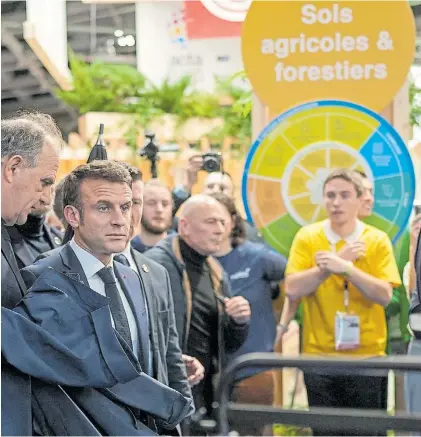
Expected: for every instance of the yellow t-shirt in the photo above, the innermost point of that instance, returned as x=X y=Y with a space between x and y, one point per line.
x=319 y=309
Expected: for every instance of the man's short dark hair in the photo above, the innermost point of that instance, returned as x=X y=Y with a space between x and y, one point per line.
x=26 y=133
x=346 y=175
x=110 y=171
x=135 y=173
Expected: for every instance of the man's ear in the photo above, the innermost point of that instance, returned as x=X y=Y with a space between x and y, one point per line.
x=181 y=228
x=72 y=216
x=11 y=165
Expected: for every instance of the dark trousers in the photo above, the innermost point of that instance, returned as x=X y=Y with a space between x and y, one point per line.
x=350 y=391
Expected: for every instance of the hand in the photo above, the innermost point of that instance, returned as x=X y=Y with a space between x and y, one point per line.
x=281 y=330
x=195 y=370
x=353 y=251
x=238 y=309
x=194 y=165
x=331 y=262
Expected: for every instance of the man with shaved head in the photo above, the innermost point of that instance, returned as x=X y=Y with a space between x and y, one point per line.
x=209 y=321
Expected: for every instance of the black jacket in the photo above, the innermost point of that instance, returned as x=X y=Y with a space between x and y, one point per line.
x=230 y=334
x=416 y=301
x=25 y=252
x=16 y=418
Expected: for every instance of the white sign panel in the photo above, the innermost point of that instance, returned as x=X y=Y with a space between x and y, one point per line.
x=45 y=31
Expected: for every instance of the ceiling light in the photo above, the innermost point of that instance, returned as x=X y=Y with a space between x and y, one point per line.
x=118 y=32
x=130 y=41
x=122 y=41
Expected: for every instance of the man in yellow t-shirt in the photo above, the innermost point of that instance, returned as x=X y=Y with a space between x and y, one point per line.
x=343 y=295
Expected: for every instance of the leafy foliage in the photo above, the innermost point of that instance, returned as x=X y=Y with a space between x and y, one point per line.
x=415 y=104
x=236 y=112
x=101 y=87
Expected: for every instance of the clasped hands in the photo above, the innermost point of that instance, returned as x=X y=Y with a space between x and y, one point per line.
x=338 y=263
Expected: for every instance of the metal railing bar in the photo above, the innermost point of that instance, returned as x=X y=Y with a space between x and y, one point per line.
x=306 y=363
x=323 y=418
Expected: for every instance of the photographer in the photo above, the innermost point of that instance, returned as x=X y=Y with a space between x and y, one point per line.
x=217 y=181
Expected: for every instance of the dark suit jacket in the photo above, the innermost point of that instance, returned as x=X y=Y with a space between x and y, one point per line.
x=16 y=416
x=24 y=256
x=168 y=365
x=66 y=263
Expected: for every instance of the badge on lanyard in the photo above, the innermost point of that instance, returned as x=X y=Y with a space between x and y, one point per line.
x=347 y=327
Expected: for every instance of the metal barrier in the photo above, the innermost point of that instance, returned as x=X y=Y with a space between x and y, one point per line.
x=355 y=420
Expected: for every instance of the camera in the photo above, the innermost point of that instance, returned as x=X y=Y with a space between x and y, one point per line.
x=212 y=162
x=150 y=149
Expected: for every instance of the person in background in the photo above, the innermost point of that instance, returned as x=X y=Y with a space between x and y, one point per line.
x=336 y=291
x=159 y=296
x=216 y=182
x=397 y=311
x=55 y=218
x=251 y=267
x=412 y=281
x=292 y=309
x=210 y=322
x=157 y=216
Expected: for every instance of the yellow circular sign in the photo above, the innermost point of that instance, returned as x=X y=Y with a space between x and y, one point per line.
x=297 y=51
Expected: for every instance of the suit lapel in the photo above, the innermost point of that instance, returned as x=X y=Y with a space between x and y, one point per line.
x=146 y=283
x=7 y=250
x=72 y=267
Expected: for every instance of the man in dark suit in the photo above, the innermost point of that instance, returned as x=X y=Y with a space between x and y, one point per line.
x=98 y=206
x=30 y=147
x=160 y=303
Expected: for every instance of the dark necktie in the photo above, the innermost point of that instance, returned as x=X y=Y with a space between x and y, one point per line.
x=145 y=345
x=122 y=260
x=116 y=304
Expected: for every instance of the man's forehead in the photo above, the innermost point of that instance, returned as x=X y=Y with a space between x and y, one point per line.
x=208 y=210
x=219 y=178
x=153 y=191
x=104 y=188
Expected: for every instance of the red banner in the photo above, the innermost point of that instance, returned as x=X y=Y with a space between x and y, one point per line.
x=201 y=24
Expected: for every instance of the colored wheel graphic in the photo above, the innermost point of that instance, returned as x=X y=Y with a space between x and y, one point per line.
x=285 y=169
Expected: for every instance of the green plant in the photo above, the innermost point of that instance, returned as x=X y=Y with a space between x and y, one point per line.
x=170 y=96
x=106 y=87
x=237 y=110
x=101 y=87
x=415 y=104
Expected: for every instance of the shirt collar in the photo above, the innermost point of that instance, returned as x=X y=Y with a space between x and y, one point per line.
x=126 y=252
x=90 y=264
x=334 y=238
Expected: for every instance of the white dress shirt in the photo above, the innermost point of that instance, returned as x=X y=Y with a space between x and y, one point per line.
x=91 y=266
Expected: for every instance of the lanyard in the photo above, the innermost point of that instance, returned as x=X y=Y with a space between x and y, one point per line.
x=346 y=285
x=346 y=296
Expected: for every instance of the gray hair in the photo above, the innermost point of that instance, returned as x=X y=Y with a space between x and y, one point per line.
x=25 y=134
